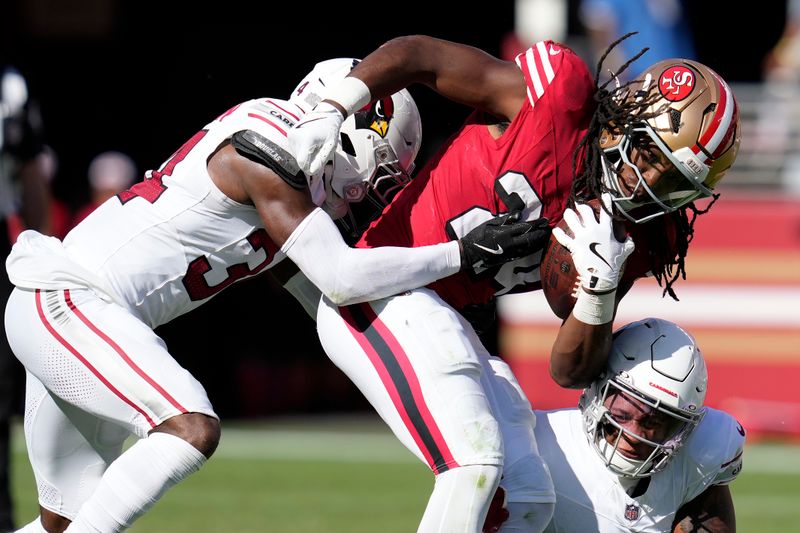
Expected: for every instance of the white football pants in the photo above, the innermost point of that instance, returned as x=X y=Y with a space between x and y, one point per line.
x=95 y=375
x=424 y=370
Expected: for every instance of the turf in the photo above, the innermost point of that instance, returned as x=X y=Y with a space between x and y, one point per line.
x=349 y=476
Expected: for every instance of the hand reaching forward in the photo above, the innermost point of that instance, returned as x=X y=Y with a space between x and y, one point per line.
x=500 y=240
x=314 y=138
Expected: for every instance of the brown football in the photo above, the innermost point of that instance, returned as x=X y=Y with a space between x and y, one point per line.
x=558 y=275
x=558 y=272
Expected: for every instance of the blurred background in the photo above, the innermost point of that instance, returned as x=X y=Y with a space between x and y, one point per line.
x=140 y=78
x=121 y=84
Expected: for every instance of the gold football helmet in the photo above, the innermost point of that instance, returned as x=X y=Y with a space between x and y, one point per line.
x=688 y=113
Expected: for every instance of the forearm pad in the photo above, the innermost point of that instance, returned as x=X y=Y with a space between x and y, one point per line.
x=352 y=275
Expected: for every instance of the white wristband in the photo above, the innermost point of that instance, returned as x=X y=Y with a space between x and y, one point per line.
x=351 y=93
x=594 y=309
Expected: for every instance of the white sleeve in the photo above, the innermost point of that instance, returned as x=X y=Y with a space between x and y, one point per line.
x=352 y=275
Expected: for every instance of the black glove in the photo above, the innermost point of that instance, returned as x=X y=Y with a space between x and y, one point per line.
x=500 y=240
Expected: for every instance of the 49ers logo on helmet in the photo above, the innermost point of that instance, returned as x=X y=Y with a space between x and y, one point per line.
x=376 y=116
x=676 y=83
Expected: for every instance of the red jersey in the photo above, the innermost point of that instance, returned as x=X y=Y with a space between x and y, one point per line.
x=473 y=175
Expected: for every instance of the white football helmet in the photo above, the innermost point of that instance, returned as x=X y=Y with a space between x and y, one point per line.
x=377 y=145
x=655 y=362
x=693 y=120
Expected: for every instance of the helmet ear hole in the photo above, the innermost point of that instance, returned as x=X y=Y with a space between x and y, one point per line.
x=675 y=120
x=347 y=145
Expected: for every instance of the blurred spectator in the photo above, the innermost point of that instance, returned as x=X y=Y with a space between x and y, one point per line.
x=662 y=25
x=777 y=116
x=535 y=20
x=60 y=215
x=110 y=173
x=782 y=62
x=24 y=193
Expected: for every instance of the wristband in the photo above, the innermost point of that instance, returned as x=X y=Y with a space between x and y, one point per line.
x=594 y=309
x=351 y=93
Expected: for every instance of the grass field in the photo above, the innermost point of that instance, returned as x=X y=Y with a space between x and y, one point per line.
x=352 y=476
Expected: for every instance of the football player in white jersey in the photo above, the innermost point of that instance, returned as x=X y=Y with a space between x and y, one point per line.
x=229 y=204
x=641 y=452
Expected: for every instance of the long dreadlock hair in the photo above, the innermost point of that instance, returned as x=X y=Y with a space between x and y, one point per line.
x=618 y=109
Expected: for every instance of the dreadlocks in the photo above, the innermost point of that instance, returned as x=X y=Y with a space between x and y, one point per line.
x=618 y=109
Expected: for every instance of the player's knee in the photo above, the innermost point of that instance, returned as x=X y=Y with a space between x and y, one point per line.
x=52 y=522
x=479 y=480
x=530 y=517
x=528 y=480
x=201 y=431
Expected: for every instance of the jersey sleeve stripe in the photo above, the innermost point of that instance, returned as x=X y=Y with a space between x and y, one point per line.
x=268 y=121
x=273 y=104
x=725 y=465
x=544 y=57
x=522 y=63
x=537 y=69
x=536 y=78
x=228 y=112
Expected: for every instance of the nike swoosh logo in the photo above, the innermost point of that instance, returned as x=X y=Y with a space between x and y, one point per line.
x=593 y=248
x=553 y=51
x=495 y=251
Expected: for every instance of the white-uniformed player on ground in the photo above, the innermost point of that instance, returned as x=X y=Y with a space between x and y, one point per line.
x=229 y=204
x=642 y=453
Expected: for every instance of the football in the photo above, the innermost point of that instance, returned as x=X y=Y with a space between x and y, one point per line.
x=558 y=275
x=557 y=271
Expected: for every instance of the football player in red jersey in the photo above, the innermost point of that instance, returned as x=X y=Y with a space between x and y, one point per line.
x=544 y=136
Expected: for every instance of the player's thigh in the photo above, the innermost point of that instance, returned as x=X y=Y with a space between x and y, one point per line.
x=100 y=358
x=69 y=450
x=525 y=475
x=416 y=360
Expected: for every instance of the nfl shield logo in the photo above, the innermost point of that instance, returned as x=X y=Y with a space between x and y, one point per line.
x=632 y=512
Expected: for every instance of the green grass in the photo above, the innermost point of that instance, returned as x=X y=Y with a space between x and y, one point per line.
x=313 y=476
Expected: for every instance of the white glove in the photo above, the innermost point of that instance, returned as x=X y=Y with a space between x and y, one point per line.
x=597 y=254
x=314 y=138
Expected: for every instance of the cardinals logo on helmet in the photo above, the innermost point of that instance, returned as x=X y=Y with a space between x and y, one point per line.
x=376 y=116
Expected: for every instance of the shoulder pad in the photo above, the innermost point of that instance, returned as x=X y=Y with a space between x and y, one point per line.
x=717 y=448
x=261 y=150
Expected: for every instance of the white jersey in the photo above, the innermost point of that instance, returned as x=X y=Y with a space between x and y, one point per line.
x=175 y=240
x=590 y=498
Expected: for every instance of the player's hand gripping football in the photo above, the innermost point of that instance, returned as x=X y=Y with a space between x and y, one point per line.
x=500 y=240
x=314 y=138
x=597 y=254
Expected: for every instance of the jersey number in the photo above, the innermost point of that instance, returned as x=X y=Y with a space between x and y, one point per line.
x=152 y=187
x=197 y=285
x=512 y=187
